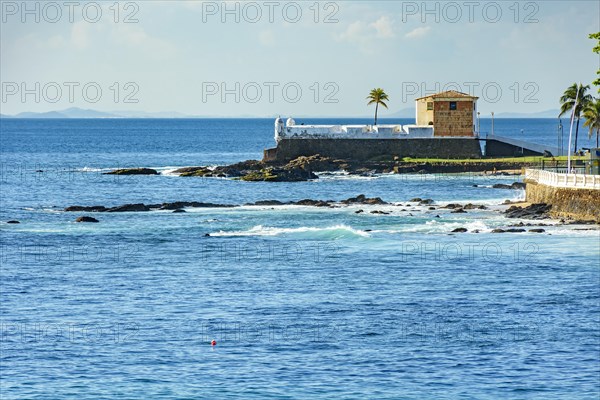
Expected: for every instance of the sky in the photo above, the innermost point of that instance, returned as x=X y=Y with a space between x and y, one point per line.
x=265 y=58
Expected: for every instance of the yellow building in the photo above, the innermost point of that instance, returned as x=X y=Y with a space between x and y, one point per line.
x=451 y=113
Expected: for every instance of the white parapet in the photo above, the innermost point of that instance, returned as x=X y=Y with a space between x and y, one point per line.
x=293 y=131
x=563 y=180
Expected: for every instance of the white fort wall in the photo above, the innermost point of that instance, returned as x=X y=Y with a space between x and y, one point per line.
x=293 y=131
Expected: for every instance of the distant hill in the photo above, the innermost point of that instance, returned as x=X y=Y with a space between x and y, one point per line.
x=50 y=114
x=404 y=113
x=75 y=112
x=540 y=114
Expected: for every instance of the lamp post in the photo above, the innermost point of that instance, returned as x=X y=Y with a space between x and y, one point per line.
x=560 y=137
x=492 y=123
x=478 y=124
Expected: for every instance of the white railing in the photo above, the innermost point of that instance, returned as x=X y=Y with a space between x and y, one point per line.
x=572 y=180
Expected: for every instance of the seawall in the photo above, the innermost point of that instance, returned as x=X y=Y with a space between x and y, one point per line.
x=572 y=203
x=367 y=149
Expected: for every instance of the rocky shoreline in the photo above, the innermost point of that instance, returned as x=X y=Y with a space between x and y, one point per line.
x=531 y=212
x=305 y=169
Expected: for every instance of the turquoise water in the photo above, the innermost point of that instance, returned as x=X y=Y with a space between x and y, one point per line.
x=304 y=302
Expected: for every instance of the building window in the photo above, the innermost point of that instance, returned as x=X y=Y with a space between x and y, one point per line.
x=452 y=105
x=429 y=105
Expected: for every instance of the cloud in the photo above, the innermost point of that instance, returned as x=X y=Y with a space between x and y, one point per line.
x=355 y=33
x=418 y=32
x=383 y=26
x=80 y=35
x=267 y=38
x=365 y=35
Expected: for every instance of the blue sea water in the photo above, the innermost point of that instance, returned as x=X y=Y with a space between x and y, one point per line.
x=304 y=302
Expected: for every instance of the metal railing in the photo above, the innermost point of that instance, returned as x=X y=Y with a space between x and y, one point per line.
x=565 y=180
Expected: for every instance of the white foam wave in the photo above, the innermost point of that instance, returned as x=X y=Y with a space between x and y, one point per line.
x=259 y=230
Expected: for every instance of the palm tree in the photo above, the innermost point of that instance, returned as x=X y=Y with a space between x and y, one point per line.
x=567 y=101
x=378 y=97
x=591 y=113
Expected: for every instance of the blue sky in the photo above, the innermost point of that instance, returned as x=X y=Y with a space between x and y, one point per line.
x=181 y=55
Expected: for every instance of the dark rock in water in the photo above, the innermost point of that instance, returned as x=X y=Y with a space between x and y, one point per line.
x=362 y=199
x=179 y=210
x=313 y=203
x=133 y=171
x=86 y=219
x=534 y=211
x=182 y=204
x=13 y=222
x=315 y=163
x=515 y=230
x=425 y=202
x=380 y=212
x=460 y=230
x=193 y=171
x=452 y=205
x=416 y=200
x=459 y=211
x=285 y=174
x=86 y=209
x=515 y=185
x=207 y=235
x=437 y=216
x=368 y=230
x=537 y=230
x=431 y=208
x=268 y=203
x=358 y=212
x=129 y=208
x=498 y=230
x=474 y=207
x=582 y=222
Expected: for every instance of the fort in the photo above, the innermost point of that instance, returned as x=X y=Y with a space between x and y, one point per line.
x=445 y=128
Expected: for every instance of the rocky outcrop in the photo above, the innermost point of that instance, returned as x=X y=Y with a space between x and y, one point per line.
x=133 y=171
x=514 y=186
x=129 y=208
x=534 y=211
x=578 y=204
x=362 y=199
x=180 y=205
x=86 y=208
x=13 y=222
x=286 y=174
x=86 y=219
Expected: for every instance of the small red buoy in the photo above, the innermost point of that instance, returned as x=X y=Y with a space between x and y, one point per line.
x=213 y=343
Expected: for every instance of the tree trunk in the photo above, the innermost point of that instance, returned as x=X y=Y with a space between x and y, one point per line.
x=597 y=136
x=376 y=107
x=576 y=134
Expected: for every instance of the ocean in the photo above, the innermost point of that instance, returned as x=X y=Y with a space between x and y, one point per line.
x=303 y=302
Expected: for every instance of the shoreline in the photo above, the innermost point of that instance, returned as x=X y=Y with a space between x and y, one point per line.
x=306 y=168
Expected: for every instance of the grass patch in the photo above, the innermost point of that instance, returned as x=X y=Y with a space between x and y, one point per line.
x=516 y=160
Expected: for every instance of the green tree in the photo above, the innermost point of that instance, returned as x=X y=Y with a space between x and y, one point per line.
x=567 y=101
x=377 y=97
x=596 y=36
x=591 y=113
